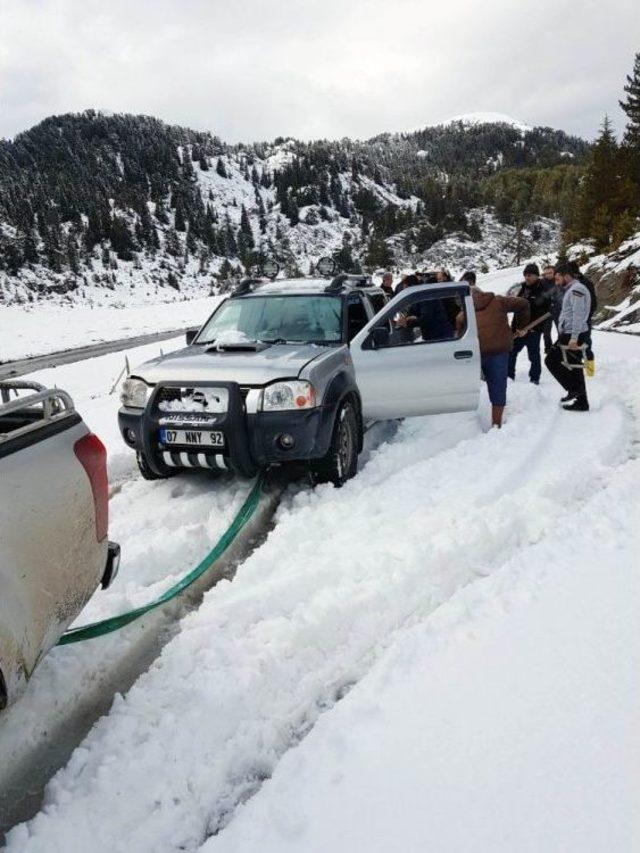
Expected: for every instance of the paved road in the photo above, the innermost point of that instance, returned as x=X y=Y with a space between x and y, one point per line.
x=11 y=369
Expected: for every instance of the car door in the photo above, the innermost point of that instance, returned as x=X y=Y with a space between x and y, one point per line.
x=420 y=355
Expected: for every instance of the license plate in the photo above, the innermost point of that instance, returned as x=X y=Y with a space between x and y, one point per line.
x=192 y=437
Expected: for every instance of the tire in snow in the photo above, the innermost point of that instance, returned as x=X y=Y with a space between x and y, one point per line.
x=341 y=460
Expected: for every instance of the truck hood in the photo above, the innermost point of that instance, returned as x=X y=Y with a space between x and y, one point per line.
x=191 y=364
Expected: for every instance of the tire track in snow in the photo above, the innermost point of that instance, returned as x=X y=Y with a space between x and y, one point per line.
x=307 y=615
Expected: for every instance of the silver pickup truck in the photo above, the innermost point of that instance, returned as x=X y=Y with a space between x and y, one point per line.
x=54 y=549
x=292 y=370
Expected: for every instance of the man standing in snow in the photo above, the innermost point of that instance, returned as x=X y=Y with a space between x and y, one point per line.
x=387 y=284
x=573 y=331
x=495 y=338
x=533 y=290
x=549 y=284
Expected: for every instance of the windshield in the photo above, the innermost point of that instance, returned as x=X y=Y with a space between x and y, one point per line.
x=305 y=319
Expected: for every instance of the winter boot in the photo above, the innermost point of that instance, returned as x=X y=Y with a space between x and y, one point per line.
x=496 y=416
x=567 y=398
x=580 y=404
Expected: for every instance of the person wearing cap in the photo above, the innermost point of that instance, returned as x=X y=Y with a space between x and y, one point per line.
x=573 y=332
x=533 y=290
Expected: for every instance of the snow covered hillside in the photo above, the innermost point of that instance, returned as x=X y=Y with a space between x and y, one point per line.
x=618 y=286
x=121 y=209
x=490 y=118
x=439 y=655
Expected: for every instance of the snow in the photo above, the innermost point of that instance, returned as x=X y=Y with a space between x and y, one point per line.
x=505 y=722
x=490 y=118
x=46 y=327
x=164 y=529
x=496 y=251
x=474 y=585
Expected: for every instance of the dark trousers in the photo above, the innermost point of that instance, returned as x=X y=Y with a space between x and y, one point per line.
x=571 y=380
x=532 y=342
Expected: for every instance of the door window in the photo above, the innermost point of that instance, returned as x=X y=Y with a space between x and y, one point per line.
x=421 y=319
x=356 y=317
x=378 y=301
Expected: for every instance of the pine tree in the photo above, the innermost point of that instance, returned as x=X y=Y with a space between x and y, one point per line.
x=245 y=229
x=180 y=223
x=631 y=105
x=221 y=168
x=378 y=253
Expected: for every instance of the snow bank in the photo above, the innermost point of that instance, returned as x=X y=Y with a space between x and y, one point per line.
x=46 y=327
x=439 y=506
x=506 y=721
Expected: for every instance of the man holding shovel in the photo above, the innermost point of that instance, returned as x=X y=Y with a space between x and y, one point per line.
x=537 y=295
x=565 y=359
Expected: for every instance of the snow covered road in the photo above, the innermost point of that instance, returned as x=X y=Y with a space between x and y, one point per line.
x=164 y=528
x=343 y=576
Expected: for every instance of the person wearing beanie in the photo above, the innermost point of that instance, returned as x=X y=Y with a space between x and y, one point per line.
x=534 y=291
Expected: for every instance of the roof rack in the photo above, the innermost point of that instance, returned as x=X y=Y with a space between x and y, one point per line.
x=246 y=286
x=56 y=404
x=349 y=279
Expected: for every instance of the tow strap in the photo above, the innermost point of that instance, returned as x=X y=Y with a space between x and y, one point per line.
x=106 y=626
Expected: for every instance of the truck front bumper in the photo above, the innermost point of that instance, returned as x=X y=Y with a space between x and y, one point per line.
x=252 y=440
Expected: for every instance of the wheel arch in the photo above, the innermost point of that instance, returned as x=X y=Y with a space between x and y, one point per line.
x=341 y=388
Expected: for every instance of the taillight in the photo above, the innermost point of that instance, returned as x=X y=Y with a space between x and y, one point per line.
x=92 y=455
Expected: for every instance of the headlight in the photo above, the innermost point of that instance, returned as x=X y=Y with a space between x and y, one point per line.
x=294 y=394
x=134 y=393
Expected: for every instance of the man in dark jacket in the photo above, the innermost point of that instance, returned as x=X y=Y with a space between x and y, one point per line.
x=533 y=290
x=387 y=284
x=549 y=284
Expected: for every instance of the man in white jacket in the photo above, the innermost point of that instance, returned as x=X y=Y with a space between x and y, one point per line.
x=573 y=331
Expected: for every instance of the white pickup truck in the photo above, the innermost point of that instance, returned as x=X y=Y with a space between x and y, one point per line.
x=54 y=548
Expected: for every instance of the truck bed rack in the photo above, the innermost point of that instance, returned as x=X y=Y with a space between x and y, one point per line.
x=24 y=413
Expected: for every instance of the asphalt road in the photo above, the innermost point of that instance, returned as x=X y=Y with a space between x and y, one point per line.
x=12 y=369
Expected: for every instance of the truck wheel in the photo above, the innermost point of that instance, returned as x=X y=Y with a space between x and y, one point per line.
x=341 y=460
x=148 y=473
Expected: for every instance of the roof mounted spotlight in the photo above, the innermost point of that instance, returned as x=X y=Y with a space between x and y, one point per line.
x=326 y=266
x=270 y=268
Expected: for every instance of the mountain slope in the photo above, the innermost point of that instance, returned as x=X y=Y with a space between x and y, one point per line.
x=95 y=206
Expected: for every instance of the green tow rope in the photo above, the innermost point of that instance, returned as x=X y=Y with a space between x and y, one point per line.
x=106 y=626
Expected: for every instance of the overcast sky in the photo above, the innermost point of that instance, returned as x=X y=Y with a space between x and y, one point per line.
x=256 y=69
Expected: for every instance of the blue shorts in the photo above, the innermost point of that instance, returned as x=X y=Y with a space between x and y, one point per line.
x=495 y=369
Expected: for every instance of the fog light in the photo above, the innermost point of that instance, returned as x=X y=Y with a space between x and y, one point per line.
x=131 y=435
x=286 y=441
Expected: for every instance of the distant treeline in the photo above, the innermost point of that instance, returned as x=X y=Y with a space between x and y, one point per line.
x=77 y=188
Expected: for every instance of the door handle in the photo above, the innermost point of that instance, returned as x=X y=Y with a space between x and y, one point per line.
x=463 y=353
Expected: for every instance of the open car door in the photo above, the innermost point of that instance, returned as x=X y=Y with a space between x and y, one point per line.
x=420 y=354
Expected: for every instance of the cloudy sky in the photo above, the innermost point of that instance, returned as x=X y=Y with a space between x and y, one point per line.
x=256 y=69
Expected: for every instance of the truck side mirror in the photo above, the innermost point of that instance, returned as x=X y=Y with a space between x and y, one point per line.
x=190 y=335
